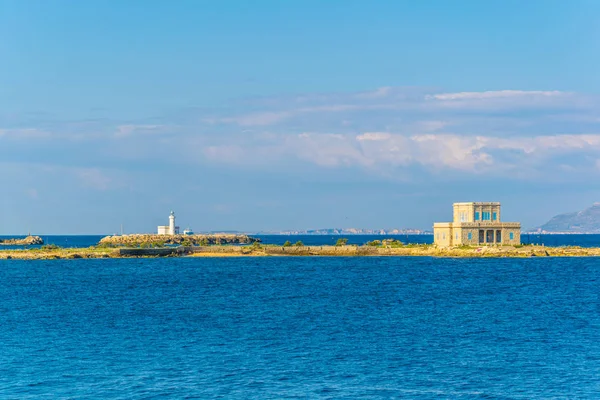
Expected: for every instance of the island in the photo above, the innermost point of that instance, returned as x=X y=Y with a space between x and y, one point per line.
x=113 y=248
x=27 y=241
x=150 y=240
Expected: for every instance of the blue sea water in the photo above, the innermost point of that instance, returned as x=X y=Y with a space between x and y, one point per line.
x=321 y=240
x=75 y=241
x=300 y=327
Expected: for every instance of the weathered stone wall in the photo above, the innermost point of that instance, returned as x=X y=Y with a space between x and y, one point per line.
x=465 y=228
x=160 y=252
x=442 y=234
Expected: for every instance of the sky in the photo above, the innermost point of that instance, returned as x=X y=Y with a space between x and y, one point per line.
x=280 y=115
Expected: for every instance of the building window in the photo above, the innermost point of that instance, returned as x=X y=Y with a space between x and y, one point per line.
x=463 y=217
x=470 y=235
x=477 y=216
x=511 y=235
x=443 y=236
x=456 y=236
x=494 y=216
x=485 y=215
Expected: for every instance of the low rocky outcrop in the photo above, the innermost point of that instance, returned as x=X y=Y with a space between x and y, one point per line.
x=257 y=250
x=403 y=251
x=138 y=240
x=28 y=241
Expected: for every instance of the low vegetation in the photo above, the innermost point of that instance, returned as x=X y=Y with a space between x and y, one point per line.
x=391 y=248
x=341 y=242
x=387 y=243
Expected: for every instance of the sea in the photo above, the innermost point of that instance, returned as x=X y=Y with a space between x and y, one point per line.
x=300 y=328
x=322 y=240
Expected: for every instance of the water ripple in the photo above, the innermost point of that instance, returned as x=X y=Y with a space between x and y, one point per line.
x=274 y=328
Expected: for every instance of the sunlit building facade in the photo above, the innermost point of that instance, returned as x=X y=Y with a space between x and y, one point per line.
x=476 y=224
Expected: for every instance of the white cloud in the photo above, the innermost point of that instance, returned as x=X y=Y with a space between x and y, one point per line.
x=497 y=94
x=373 y=136
x=379 y=151
x=327 y=150
x=388 y=128
x=138 y=129
x=431 y=126
x=395 y=106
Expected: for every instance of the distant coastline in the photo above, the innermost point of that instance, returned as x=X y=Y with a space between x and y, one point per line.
x=558 y=233
x=344 y=231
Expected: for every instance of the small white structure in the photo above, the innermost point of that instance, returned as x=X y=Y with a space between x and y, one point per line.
x=170 y=229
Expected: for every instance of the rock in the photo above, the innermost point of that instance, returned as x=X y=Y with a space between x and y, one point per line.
x=151 y=240
x=28 y=241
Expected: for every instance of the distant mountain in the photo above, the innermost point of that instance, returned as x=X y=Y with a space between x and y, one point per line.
x=350 y=231
x=586 y=221
x=331 y=231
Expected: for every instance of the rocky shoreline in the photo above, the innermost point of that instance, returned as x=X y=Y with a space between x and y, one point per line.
x=149 y=240
x=28 y=241
x=258 y=250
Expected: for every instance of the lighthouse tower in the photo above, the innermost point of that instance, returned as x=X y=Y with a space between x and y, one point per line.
x=172 y=223
x=170 y=229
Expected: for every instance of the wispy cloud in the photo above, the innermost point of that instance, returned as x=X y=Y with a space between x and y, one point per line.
x=498 y=94
x=24 y=133
x=139 y=129
x=383 y=150
x=384 y=131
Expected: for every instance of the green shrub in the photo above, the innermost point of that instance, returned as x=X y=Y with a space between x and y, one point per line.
x=415 y=245
x=392 y=243
x=287 y=243
x=50 y=247
x=341 y=242
x=375 y=243
x=299 y=244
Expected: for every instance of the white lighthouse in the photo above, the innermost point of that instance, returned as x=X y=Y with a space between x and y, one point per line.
x=172 y=223
x=170 y=229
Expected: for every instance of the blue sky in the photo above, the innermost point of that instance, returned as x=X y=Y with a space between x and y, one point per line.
x=270 y=115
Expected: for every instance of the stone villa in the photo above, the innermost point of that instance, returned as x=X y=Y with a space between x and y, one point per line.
x=476 y=224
